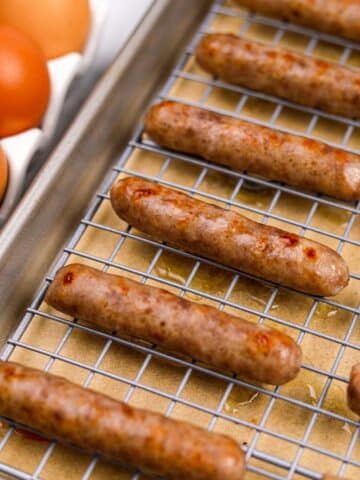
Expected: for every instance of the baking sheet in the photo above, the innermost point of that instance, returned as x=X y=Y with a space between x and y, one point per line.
x=273 y=424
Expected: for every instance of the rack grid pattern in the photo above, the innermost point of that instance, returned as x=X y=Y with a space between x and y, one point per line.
x=259 y=461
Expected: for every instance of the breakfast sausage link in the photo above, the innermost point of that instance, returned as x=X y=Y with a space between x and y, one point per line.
x=99 y=424
x=353 y=391
x=275 y=71
x=116 y=304
x=298 y=161
x=229 y=238
x=330 y=16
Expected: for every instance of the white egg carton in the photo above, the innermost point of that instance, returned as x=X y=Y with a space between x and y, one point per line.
x=20 y=149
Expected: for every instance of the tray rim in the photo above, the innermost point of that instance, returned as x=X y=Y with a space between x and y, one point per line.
x=32 y=222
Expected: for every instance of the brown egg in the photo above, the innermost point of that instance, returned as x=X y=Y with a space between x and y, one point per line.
x=24 y=82
x=4 y=173
x=58 y=26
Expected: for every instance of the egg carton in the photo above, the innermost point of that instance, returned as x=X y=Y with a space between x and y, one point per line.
x=21 y=148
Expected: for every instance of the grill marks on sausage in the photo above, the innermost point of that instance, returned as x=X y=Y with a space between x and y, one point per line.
x=310 y=253
x=144 y=192
x=263 y=341
x=289 y=240
x=68 y=278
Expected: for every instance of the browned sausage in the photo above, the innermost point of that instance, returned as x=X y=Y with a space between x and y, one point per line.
x=337 y=17
x=95 y=422
x=229 y=238
x=115 y=303
x=353 y=392
x=299 y=78
x=298 y=161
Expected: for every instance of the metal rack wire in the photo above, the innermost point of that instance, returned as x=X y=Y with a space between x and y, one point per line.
x=259 y=461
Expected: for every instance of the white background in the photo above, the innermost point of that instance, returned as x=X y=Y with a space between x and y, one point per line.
x=123 y=16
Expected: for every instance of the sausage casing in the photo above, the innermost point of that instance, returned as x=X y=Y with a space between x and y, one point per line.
x=229 y=238
x=330 y=16
x=298 y=161
x=115 y=303
x=152 y=442
x=353 y=391
x=275 y=71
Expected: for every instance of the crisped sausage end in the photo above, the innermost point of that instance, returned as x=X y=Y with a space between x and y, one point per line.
x=353 y=392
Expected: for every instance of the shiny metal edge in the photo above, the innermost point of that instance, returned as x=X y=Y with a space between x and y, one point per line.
x=55 y=202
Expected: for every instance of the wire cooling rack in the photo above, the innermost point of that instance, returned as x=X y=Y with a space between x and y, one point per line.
x=272 y=450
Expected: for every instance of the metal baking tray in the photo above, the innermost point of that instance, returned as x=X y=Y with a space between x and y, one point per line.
x=297 y=431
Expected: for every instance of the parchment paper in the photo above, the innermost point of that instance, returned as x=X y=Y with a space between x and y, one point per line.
x=260 y=410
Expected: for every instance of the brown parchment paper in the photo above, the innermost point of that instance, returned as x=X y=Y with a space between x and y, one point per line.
x=258 y=409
